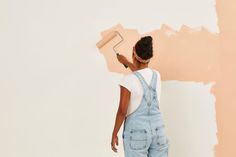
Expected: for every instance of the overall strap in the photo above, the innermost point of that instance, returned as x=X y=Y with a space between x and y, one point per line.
x=153 y=86
x=144 y=83
x=154 y=80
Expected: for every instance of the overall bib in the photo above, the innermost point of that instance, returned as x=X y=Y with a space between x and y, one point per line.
x=144 y=132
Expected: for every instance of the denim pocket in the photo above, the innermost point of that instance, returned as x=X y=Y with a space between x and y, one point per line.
x=138 y=139
x=162 y=140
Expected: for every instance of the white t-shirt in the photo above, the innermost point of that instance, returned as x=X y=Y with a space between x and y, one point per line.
x=132 y=83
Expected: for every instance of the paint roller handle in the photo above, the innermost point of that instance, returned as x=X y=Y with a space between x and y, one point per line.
x=126 y=66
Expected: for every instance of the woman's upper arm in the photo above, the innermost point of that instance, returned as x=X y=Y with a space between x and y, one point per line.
x=124 y=100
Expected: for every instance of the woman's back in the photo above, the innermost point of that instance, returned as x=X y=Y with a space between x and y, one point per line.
x=132 y=83
x=144 y=129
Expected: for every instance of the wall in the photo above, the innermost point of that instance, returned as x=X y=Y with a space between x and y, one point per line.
x=59 y=93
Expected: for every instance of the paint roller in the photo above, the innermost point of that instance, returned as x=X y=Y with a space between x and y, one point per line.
x=110 y=36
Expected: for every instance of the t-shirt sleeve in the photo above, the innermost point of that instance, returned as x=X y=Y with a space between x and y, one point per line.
x=126 y=82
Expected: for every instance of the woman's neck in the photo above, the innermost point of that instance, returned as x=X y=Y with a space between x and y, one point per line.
x=141 y=66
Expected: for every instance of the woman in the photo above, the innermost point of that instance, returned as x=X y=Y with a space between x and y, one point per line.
x=144 y=131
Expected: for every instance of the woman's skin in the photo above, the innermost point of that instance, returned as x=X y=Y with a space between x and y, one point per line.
x=124 y=98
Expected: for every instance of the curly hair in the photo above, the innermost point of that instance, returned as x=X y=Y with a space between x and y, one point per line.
x=144 y=48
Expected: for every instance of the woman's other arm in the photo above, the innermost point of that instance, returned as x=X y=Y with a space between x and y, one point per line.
x=131 y=66
x=120 y=115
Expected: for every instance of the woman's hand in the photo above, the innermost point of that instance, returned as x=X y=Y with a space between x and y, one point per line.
x=122 y=59
x=114 y=141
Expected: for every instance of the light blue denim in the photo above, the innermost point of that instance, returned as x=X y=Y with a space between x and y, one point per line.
x=144 y=133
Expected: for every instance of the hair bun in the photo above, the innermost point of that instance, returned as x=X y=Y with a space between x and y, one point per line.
x=144 y=47
x=147 y=40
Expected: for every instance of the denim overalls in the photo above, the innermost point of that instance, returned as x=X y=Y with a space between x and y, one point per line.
x=144 y=132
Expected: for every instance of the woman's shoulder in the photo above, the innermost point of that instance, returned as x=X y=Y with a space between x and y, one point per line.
x=131 y=75
x=155 y=71
x=158 y=74
x=127 y=81
x=128 y=77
